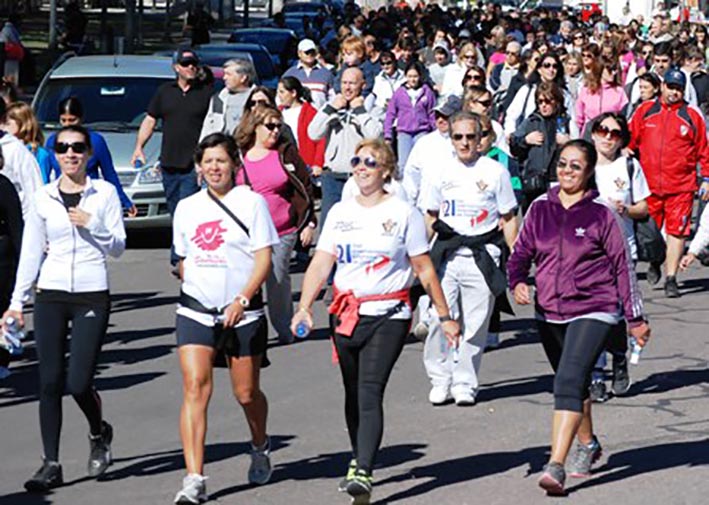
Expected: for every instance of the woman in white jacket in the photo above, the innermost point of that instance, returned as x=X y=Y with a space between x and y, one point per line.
x=74 y=224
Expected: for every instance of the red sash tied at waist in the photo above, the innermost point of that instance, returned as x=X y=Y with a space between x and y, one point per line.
x=345 y=305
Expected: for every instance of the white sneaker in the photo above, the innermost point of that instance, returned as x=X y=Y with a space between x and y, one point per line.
x=464 y=398
x=260 y=470
x=420 y=331
x=439 y=395
x=194 y=490
x=493 y=341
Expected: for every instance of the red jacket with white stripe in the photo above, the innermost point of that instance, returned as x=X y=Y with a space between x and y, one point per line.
x=671 y=141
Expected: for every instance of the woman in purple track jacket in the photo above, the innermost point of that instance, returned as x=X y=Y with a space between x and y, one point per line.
x=585 y=284
x=410 y=110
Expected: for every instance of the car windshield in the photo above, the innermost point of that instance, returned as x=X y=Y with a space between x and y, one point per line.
x=109 y=103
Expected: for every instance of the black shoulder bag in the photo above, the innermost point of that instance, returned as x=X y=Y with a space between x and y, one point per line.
x=229 y=213
x=648 y=237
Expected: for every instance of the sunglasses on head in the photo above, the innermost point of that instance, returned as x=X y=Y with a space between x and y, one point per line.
x=258 y=102
x=77 y=147
x=272 y=126
x=467 y=136
x=368 y=162
x=604 y=131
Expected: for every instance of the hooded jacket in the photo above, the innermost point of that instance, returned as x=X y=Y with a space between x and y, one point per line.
x=410 y=118
x=21 y=168
x=672 y=140
x=583 y=264
x=537 y=160
x=342 y=129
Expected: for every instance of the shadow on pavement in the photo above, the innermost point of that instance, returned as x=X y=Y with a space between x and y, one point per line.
x=633 y=462
x=668 y=381
x=694 y=286
x=127 y=336
x=125 y=302
x=171 y=461
x=454 y=471
x=331 y=466
x=25 y=498
x=516 y=388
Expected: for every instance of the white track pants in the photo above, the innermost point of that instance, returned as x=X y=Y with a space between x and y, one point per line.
x=470 y=302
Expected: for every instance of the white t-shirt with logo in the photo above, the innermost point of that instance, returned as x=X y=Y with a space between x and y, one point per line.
x=372 y=246
x=614 y=185
x=218 y=254
x=470 y=198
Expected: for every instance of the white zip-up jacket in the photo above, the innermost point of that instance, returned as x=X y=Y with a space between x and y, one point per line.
x=75 y=259
x=22 y=169
x=701 y=238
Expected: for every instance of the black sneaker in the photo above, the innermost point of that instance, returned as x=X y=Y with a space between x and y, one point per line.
x=671 y=288
x=360 y=488
x=351 y=470
x=653 y=274
x=100 y=457
x=597 y=391
x=47 y=477
x=621 y=377
x=552 y=479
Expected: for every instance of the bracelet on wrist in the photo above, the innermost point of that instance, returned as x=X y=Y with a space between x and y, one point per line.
x=305 y=309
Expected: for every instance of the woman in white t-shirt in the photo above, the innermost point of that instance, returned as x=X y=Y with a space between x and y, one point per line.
x=224 y=237
x=613 y=178
x=379 y=243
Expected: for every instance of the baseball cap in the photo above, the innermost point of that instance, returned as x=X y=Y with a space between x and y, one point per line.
x=449 y=106
x=676 y=77
x=442 y=44
x=464 y=34
x=182 y=56
x=306 y=45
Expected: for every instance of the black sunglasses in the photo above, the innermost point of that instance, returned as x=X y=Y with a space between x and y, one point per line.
x=460 y=136
x=369 y=162
x=273 y=126
x=311 y=52
x=549 y=64
x=604 y=131
x=77 y=147
x=485 y=103
x=252 y=103
x=387 y=63
x=188 y=63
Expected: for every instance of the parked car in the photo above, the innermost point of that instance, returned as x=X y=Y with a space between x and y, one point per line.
x=115 y=92
x=282 y=43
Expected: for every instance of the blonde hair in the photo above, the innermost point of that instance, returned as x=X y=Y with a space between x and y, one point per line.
x=468 y=46
x=353 y=44
x=486 y=124
x=382 y=152
x=245 y=134
x=29 y=131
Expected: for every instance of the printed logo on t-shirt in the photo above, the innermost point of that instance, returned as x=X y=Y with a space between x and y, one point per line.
x=209 y=236
x=345 y=226
x=619 y=183
x=377 y=264
x=479 y=217
x=482 y=185
x=683 y=130
x=580 y=232
x=388 y=226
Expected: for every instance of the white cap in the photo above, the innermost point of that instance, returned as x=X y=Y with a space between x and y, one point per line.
x=306 y=45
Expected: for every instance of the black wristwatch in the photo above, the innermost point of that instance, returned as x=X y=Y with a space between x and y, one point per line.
x=445 y=319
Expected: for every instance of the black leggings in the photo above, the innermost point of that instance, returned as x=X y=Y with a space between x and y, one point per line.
x=89 y=320
x=366 y=361
x=572 y=350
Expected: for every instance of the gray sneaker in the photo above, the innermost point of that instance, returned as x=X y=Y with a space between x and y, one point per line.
x=351 y=469
x=585 y=456
x=621 y=378
x=194 y=490
x=260 y=470
x=552 y=479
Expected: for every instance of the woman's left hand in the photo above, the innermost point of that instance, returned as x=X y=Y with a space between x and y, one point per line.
x=306 y=236
x=451 y=330
x=562 y=138
x=79 y=217
x=233 y=314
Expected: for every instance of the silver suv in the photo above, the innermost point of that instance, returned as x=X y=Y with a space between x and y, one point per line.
x=115 y=92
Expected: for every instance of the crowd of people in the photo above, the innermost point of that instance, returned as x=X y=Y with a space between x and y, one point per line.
x=455 y=153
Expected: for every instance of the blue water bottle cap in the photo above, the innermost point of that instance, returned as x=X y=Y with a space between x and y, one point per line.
x=138 y=164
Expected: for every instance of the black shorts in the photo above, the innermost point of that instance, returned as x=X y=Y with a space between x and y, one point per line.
x=248 y=340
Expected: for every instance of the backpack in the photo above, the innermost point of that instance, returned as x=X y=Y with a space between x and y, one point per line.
x=648 y=237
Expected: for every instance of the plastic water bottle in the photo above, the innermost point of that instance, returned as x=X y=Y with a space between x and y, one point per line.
x=138 y=164
x=456 y=352
x=560 y=125
x=302 y=329
x=635 y=351
x=13 y=336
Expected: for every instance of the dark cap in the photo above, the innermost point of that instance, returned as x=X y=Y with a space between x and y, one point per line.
x=676 y=77
x=449 y=106
x=184 y=56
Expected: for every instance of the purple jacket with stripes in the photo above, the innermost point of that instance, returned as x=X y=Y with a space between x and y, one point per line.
x=582 y=260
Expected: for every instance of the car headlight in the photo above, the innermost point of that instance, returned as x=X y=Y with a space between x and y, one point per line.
x=150 y=175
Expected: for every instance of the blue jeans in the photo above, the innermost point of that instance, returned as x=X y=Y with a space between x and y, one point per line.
x=332 y=185
x=404 y=143
x=177 y=186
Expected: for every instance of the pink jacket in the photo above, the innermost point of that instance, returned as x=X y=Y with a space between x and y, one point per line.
x=606 y=99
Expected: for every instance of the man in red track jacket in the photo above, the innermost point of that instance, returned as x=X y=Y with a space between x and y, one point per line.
x=671 y=140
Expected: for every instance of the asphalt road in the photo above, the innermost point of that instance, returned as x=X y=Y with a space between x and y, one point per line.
x=656 y=441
